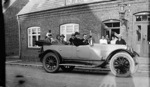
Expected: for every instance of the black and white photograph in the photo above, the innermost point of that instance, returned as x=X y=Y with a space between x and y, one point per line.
x=75 y=43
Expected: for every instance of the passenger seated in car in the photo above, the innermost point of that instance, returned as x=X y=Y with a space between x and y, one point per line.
x=48 y=33
x=71 y=39
x=85 y=39
x=113 y=41
x=77 y=40
x=49 y=39
x=103 y=40
x=57 y=40
x=120 y=41
x=62 y=41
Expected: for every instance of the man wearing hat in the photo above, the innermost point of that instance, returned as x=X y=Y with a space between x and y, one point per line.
x=120 y=40
x=72 y=39
x=77 y=40
x=62 y=40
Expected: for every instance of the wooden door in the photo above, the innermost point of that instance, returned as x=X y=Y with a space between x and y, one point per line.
x=145 y=39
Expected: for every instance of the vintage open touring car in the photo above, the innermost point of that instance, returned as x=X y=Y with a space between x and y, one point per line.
x=122 y=60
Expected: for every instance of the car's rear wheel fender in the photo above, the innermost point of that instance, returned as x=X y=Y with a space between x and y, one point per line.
x=51 y=62
x=122 y=64
x=50 y=51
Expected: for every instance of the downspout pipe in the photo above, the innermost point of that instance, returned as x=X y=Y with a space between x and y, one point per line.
x=19 y=28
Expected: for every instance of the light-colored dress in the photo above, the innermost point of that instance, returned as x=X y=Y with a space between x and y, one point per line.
x=103 y=41
x=113 y=41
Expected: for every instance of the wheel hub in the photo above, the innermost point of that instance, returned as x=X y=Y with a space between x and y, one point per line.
x=121 y=65
x=51 y=63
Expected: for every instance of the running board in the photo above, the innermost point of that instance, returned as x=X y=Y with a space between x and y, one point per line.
x=78 y=65
x=95 y=68
x=86 y=67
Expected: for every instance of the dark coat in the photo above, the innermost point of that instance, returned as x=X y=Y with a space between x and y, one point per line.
x=71 y=41
x=77 y=42
x=121 y=42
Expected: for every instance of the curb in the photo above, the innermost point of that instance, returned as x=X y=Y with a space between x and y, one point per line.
x=22 y=64
x=9 y=57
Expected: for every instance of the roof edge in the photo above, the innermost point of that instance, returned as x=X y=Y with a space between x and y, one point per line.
x=69 y=6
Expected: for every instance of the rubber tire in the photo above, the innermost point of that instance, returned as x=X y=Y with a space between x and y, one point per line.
x=67 y=69
x=131 y=62
x=57 y=60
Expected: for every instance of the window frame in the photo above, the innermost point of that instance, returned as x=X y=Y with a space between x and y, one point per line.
x=142 y=14
x=111 y=21
x=73 y=26
x=30 y=35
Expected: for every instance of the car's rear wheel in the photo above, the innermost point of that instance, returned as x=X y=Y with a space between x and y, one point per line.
x=67 y=68
x=122 y=64
x=51 y=62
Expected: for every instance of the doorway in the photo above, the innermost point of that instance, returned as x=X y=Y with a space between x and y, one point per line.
x=143 y=33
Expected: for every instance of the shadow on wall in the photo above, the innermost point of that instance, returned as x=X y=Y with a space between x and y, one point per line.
x=11 y=26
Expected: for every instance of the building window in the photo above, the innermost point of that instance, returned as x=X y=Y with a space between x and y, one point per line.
x=114 y=25
x=33 y=35
x=142 y=16
x=68 y=29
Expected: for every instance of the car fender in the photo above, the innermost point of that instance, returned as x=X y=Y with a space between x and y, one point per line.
x=41 y=55
x=132 y=54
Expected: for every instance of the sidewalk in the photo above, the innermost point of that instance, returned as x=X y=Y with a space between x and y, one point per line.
x=14 y=60
x=144 y=63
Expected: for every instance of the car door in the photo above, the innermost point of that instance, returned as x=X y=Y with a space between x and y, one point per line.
x=95 y=52
x=67 y=51
x=83 y=52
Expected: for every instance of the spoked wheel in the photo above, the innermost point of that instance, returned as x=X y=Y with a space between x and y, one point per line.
x=51 y=62
x=67 y=68
x=122 y=64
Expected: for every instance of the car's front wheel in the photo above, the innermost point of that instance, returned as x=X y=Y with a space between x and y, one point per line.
x=51 y=62
x=122 y=64
x=67 y=68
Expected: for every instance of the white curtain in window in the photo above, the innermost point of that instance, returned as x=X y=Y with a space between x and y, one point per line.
x=68 y=29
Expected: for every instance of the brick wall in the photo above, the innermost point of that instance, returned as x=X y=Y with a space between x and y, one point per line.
x=11 y=27
x=86 y=20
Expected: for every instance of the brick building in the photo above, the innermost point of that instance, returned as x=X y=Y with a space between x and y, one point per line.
x=66 y=17
x=11 y=26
